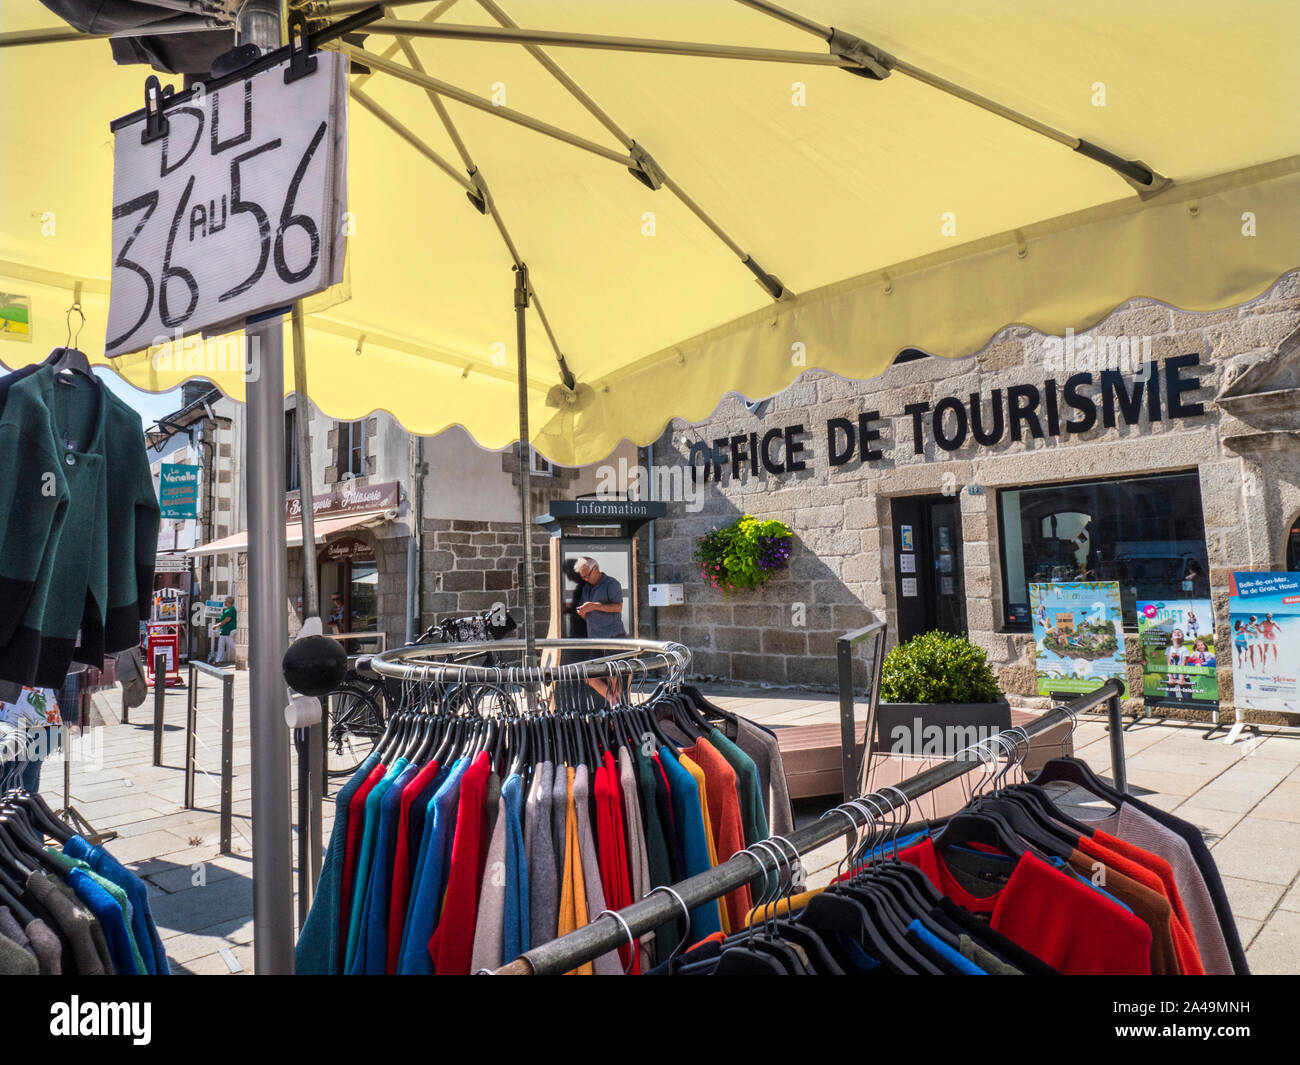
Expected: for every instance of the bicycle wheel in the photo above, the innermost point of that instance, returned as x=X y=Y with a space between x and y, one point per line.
x=353 y=725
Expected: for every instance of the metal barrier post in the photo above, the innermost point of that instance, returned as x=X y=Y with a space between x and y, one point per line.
x=853 y=770
x=191 y=730
x=1118 y=771
x=159 y=695
x=848 y=741
x=227 y=758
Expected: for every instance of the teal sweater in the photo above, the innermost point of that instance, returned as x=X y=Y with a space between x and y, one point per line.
x=78 y=527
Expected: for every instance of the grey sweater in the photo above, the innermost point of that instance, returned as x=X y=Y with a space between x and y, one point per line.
x=543 y=876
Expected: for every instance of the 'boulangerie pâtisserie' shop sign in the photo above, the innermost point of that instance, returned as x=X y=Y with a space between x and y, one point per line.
x=1057 y=409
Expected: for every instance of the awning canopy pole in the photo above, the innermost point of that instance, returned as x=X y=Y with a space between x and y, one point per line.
x=1137 y=173
x=404 y=131
x=525 y=462
x=392 y=49
x=566 y=39
x=442 y=88
x=484 y=199
x=647 y=165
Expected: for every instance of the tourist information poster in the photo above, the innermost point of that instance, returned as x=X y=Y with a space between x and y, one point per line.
x=1179 y=659
x=1264 y=618
x=1078 y=635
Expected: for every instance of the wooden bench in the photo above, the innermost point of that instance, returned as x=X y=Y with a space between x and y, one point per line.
x=811 y=753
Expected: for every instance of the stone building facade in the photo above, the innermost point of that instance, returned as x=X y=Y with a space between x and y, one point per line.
x=1179 y=402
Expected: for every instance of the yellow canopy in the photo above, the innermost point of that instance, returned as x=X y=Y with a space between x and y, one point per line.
x=894 y=214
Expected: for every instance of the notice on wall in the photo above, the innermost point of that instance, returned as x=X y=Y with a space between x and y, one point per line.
x=1179 y=658
x=909 y=587
x=905 y=535
x=238 y=208
x=1264 y=620
x=945 y=586
x=1078 y=635
x=906 y=563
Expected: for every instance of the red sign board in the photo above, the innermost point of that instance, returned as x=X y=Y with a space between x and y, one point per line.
x=167 y=644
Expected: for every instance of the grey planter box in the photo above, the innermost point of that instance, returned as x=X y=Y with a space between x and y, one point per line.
x=937 y=729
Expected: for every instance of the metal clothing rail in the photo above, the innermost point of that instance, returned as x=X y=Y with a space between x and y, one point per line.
x=424 y=663
x=610 y=932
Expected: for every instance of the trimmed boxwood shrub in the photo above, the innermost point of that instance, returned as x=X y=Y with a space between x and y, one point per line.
x=936 y=667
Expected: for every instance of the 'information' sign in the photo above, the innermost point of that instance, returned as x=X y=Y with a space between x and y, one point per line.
x=237 y=209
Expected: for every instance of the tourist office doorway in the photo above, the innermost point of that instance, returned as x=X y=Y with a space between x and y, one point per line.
x=928 y=565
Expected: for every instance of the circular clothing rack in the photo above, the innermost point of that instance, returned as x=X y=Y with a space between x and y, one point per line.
x=449 y=663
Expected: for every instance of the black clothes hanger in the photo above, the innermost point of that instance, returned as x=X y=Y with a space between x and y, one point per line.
x=989 y=829
x=888 y=919
x=25 y=840
x=70 y=360
x=9 y=892
x=711 y=709
x=1074 y=771
x=821 y=961
x=10 y=855
x=744 y=959
x=834 y=913
x=41 y=815
x=1018 y=818
x=1042 y=800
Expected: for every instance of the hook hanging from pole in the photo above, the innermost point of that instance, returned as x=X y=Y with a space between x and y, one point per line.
x=525 y=463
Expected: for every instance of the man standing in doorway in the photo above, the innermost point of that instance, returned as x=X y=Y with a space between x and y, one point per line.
x=226 y=633
x=601 y=606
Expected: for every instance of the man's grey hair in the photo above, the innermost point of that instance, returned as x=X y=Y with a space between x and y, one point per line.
x=586 y=562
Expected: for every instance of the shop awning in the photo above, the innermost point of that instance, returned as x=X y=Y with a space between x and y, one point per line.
x=324 y=527
x=968 y=189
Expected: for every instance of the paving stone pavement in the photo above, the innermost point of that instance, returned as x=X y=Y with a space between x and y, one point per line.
x=1245 y=799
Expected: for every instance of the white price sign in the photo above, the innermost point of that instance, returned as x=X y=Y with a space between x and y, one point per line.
x=237 y=209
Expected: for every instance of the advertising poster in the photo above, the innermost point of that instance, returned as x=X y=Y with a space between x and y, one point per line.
x=1078 y=635
x=1179 y=658
x=1264 y=618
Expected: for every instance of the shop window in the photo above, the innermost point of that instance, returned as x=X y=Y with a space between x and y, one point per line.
x=1147 y=533
x=291 y=450
x=352 y=449
x=1293 y=547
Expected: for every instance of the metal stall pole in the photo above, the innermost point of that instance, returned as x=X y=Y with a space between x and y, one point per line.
x=312 y=750
x=267 y=592
x=525 y=459
x=258 y=22
x=1118 y=771
x=159 y=695
x=191 y=730
x=227 y=760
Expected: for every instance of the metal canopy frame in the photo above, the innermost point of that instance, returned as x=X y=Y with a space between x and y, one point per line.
x=272 y=883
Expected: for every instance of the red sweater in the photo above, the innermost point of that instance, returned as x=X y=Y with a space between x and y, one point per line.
x=356 y=824
x=1123 y=858
x=611 y=847
x=452 y=944
x=401 y=893
x=1064 y=922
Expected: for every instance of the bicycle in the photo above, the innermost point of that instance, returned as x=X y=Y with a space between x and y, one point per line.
x=356 y=712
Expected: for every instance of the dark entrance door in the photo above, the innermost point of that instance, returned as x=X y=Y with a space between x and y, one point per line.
x=928 y=568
